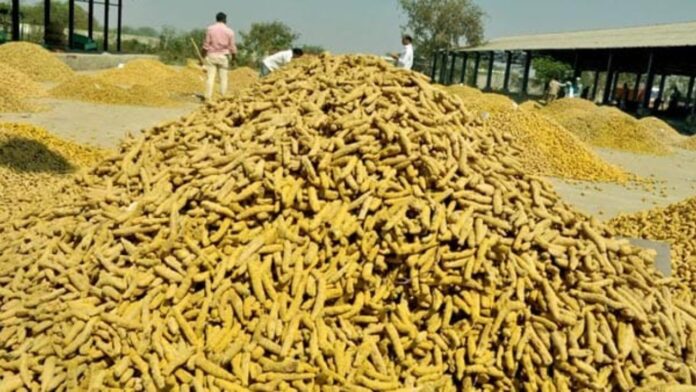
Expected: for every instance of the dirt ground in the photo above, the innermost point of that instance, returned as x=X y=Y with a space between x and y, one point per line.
x=675 y=176
x=96 y=124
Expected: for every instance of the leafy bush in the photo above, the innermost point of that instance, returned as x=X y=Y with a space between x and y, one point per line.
x=548 y=68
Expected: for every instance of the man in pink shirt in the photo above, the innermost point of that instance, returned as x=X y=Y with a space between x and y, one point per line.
x=219 y=47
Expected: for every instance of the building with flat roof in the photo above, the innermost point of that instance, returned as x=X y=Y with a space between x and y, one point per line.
x=651 y=53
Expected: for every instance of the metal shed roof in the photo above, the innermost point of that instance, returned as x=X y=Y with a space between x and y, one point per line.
x=654 y=36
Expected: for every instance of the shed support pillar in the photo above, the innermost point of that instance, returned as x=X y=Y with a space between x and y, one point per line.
x=661 y=93
x=442 y=79
x=527 y=69
x=577 y=69
x=90 y=20
x=106 y=25
x=47 y=17
x=477 y=63
x=609 y=82
x=15 y=20
x=644 y=107
x=433 y=72
x=690 y=92
x=119 y=25
x=71 y=23
x=636 y=88
x=465 y=60
x=489 y=74
x=453 y=64
x=595 y=85
x=508 y=67
x=614 y=84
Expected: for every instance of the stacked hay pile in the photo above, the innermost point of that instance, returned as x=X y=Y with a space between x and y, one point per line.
x=604 y=126
x=94 y=89
x=36 y=169
x=15 y=87
x=675 y=224
x=341 y=226
x=547 y=148
x=34 y=61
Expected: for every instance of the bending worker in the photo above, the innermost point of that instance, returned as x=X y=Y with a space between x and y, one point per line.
x=405 y=59
x=219 y=48
x=275 y=61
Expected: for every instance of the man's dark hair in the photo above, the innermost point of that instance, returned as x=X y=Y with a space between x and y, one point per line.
x=297 y=52
x=221 y=17
x=408 y=38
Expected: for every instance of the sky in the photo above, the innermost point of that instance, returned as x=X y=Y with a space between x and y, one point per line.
x=374 y=26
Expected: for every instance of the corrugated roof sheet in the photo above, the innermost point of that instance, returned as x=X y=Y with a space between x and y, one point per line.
x=666 y=35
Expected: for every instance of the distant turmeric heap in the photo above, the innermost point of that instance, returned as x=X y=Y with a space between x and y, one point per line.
x=20 y=84
x=35 y=61
x=74 y=154
x=15 y=88
x=172 y=81
x=157 y=76
x=547 y=148
x=481 y=102
x=662 y=130
x=11 y=102
x=242 y=78
x=37 y=169
x=138 y=72
x=688 y=144
x=93 y=89
x=605 y=127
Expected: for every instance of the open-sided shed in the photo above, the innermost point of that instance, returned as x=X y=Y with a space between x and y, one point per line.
x=108 y=6
x=648 y=52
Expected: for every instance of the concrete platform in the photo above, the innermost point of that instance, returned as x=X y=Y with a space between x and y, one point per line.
x=99 y=61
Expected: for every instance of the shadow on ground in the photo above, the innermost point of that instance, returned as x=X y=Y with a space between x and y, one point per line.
x=26 y=155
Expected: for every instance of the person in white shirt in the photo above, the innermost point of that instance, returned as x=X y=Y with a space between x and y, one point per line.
x=275 y=61
x=405 y=59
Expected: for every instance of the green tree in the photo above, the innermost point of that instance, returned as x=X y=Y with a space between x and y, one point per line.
x=548 y=68
x=441 y=24
x=265 y=38
x=175 y=46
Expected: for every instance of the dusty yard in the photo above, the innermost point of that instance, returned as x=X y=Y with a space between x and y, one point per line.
x=96 y=124
x=675 y=177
